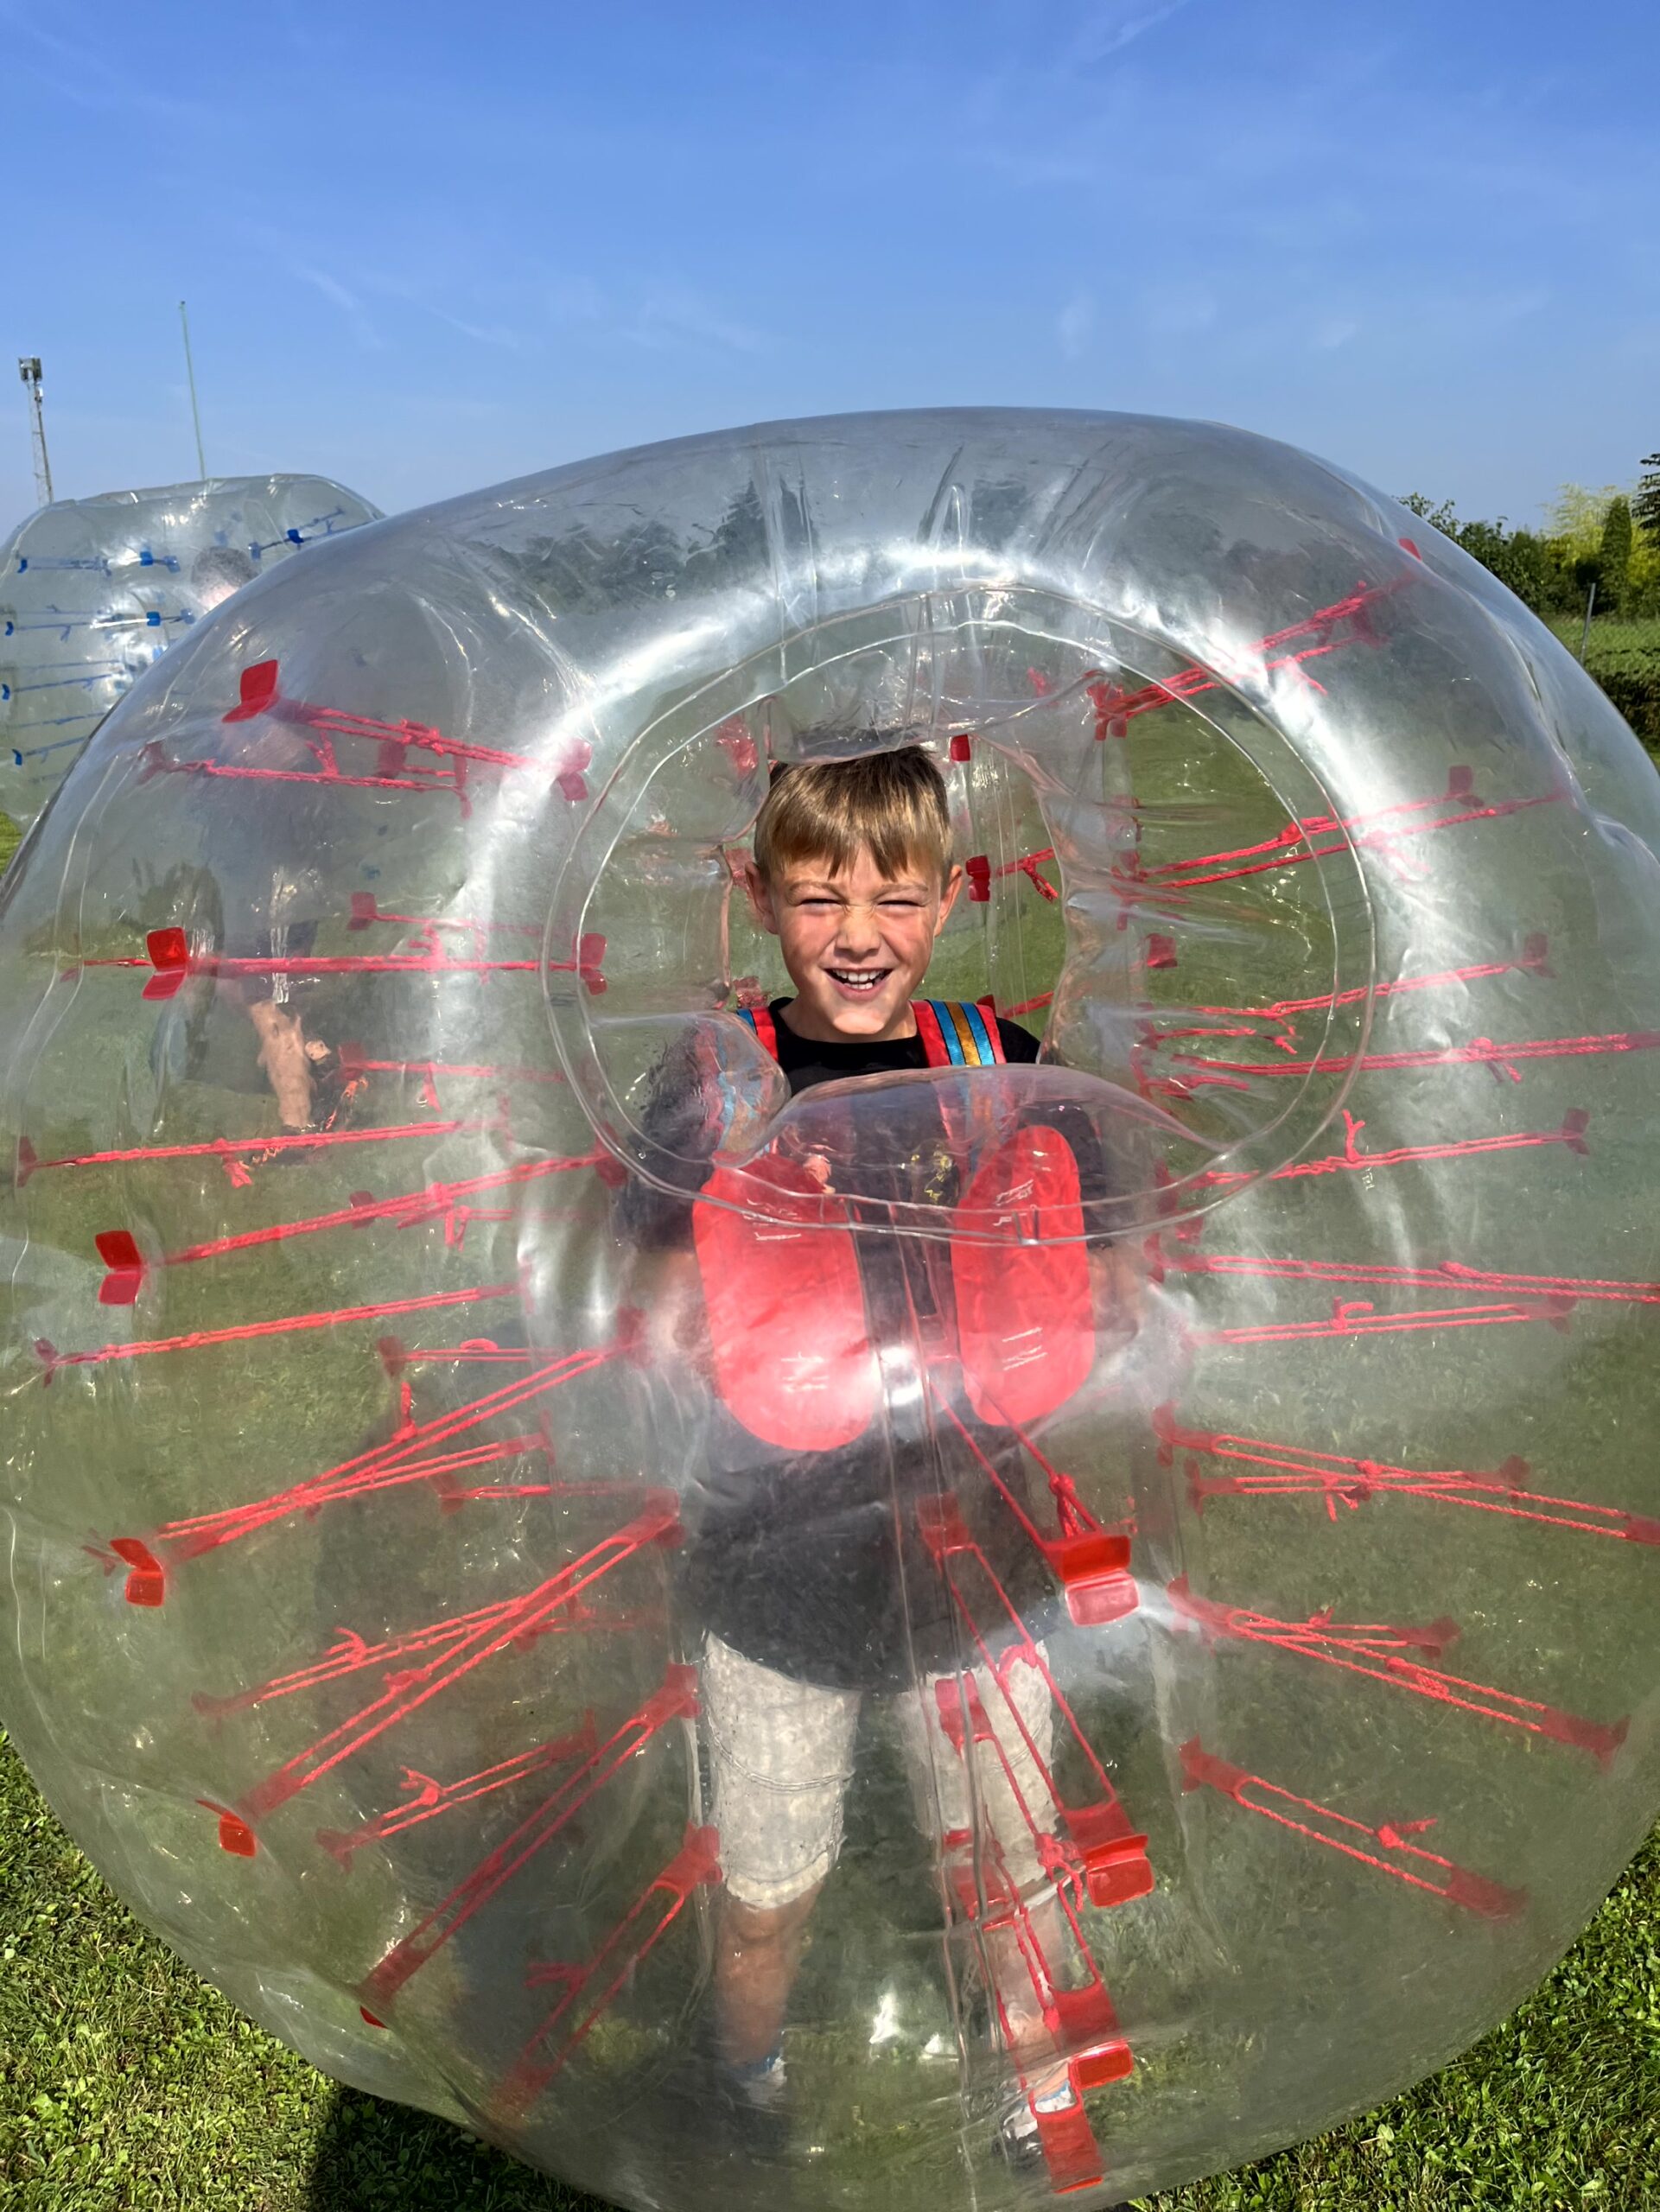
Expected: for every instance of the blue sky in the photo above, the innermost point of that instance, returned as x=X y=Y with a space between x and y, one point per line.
x=427 y=248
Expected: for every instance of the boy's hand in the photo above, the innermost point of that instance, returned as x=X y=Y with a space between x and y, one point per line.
x=1116 y=1291
x=668 y=1291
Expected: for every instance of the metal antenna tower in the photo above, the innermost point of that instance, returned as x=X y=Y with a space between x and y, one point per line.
x=29 y=369
x=190 y=371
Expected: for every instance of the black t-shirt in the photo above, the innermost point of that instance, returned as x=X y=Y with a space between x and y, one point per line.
x=805 y=1061
x=812 y=1562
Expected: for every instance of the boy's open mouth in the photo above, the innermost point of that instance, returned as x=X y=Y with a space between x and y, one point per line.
x=859 y=983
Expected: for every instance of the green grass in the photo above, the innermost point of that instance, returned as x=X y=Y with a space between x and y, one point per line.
x=1611 y=641
x=125 y=2083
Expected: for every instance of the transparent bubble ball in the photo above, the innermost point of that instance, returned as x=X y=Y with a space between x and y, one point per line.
x=1238 y=1418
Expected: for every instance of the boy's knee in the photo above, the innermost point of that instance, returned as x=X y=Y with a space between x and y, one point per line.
x=752 y=1927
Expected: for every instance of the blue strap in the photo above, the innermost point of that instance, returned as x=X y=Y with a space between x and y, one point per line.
x=976 y=1022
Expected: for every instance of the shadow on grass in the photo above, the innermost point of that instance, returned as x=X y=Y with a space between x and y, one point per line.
x=373 y=2156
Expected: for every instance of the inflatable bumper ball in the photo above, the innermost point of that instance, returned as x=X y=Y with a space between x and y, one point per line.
x=1191 y=1710
x=92 y=591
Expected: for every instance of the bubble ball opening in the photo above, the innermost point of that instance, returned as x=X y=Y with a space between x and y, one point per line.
x=1147 y=1572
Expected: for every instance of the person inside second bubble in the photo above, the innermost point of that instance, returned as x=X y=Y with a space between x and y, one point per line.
x=808 y=1567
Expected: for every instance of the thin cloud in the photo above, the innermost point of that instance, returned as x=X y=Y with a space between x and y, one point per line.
x=414 y=295
x=678 y=317
x=1110 y=30
x=91 y=81
x=346 y=300
x=1075 y=324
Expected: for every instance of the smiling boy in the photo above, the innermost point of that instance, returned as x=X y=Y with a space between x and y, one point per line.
x=806 y=1567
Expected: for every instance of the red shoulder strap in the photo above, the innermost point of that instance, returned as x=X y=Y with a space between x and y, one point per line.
x=759 y=1018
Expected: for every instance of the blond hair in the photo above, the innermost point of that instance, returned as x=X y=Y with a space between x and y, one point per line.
x=892 y=804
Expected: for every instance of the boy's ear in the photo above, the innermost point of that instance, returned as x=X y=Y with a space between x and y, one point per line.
x=948 y=898
x=760 y=893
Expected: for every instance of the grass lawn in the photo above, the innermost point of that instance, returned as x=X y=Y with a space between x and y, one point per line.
x=125 y=2083
x=1611 y=639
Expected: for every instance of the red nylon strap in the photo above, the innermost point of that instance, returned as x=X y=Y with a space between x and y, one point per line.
x=934 y=1049
x=759 y=1018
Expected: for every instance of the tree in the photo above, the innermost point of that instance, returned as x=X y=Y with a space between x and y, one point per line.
x=1444 y=517
x=1645 y=506
x=1577 y=515
x=1533 y=566
x=1614 y=553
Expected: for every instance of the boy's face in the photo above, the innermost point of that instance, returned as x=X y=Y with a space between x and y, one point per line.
x=857 y=945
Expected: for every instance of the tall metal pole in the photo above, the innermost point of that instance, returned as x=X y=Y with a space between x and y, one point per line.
x=1590 y=608
x=29 y=369
x=190 y=370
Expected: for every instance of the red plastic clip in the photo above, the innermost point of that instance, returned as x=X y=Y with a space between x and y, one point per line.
x=960 y=747
x=146 y=1583
x=1093 y=1570
x=234 y=1834
x=118 y=1249
x=979 y=872
x=1069 y=2150
x=571 y=782
x=259 y=691
x=1116 y=1868
x=169 y=953
x=1090 y=2037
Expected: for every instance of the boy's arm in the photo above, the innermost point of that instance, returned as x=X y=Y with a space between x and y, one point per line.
x=666 y=1289
x=1117 y=1282
x=661 y=1281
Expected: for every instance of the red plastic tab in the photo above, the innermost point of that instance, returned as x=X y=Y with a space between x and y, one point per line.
x=169 y=953
x=146 y=1582
x=786 y=1308
x=235 y=1836
x=1089 y=2036
x=570 y=782
x=1092 y=1567
x=591 y=956
x=1069 y=2150
x=1025 y=1319
x=259 y=691
x=943 y=1529
x=960 y=747
x=979 y=872
x=1116 y=1868
x=118 y=1249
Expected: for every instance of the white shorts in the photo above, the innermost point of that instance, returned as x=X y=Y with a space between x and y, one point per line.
x=781 y=1756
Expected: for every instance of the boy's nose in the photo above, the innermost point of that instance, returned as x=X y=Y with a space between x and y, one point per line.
x=859 y=931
